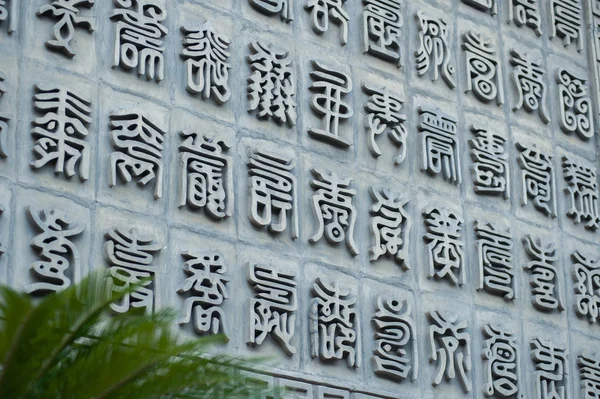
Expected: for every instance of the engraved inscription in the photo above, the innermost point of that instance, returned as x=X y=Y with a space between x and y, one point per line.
x=551 y=370
x=206 y=176
x=490 y=170
x=271 y=87
x=582 y=187
x=384 y=113
x=206 y=55
x=484 y=5
x=528 y=77
x=325 y=11
x=67 y=13
x=495 y=257
x=130 y=257
x=395 y=355
x=330 y=87
x=334 y=324
x=545 y=282
x=483 y=68
x=285 y=8
x=586 y=273
x=58 y=254
x=501 y=354
x=60 y=134
x=538 y=179
x=566 y=17
x=8 y=12
x=526 y=13
x=589 y=371
x=139 y=37
x=382 y=21
x=205 y=290
x=575 y=105
x=273 y=192
x=274 y=306
x=434 y=55
x=333 y=208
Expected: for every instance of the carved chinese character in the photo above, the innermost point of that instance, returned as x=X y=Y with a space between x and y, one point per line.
x=9 y=12
x=395 y=355
x=546 y=287
x=139 y=144
x=61 y=132
x=483 y=5
x=589 y=371
x=390 y=224
x=67 y=13
x=140 y=33
x=382 y=21
x=490 y=170
x=450 y=345
x=586 y=273
x=334 y=324
x=205 y=290
x=273 y=309
x=528 y=77
x=206 y=177
x=434 y=55
x=526 y=13
x=271 y=7
x=207 y=61
x=575 y=105
x=582 y=187
x=57 y=251
x=2 y=242
x=566 y=22
x=4 y=119
x=551 y=370
x=271 y=87
x=538 y=179
x=495 y=258
x=445 y=244
x=130 y=256
x=484 y=71
x=384 y=113
x=330 y=87
x=501 y=352
x=273 y=192
x=322 y=11
x=335 y=213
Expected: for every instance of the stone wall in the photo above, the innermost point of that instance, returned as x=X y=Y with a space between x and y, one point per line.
x=405 y=216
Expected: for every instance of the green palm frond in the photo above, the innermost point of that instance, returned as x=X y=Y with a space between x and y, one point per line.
x=69 y=346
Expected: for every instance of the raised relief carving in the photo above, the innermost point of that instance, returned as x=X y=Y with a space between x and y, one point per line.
x=60 y=134
x=582 y=187
x=495 y=258
x=130 y=256
x=58 y=254
x=575 y=105
x=483 y=5
x=67 y=13
x=324 y=392
x=334 y=324
x=382 y=21
x=439 y=143
x=395 y=356
x=450 y=345
x=445 y=245
x=490 y=170
x=589 y=372
x=335 y=213
x=390 y=225
x=528 y=77
x=273 y=192
x=271 y=87
x=205 y=290
x=138 y=145
x=434 y=55
x=139 y=37
x=384 y=113
x=206 y=176
x=526 y=13
x=545 y=281
x=566 y=17
x=4 y=119
x=484 y=70
x=2 y=242
x=285 y=8
x=274 y=306
x=325 y=11
x=330 y=87
x=538 y=179
x=586 y=273
x=551 y=370
x=9 y=13
x=501 y=354
x=206 y=55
